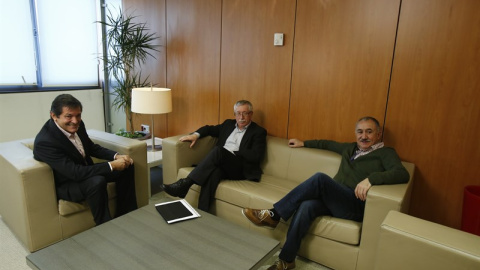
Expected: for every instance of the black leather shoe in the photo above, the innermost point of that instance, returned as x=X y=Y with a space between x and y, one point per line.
x=179 y=188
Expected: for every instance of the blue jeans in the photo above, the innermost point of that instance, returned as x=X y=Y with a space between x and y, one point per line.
x=318 y=196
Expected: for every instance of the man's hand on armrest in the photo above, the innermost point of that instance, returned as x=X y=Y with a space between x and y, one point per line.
x=362 y=189
x=190 y=138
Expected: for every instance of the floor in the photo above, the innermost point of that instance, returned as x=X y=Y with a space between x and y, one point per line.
x=156 y=180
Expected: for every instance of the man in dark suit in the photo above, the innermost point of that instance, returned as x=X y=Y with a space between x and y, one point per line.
x=64 y=145
x=237 y=155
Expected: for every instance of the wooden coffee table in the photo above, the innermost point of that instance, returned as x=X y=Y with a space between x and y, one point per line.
x=143 y=240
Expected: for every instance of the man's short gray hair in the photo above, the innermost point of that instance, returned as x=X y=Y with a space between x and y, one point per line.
x=369 y=118
x=241 y=103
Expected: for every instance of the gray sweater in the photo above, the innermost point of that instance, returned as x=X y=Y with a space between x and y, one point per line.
x=381 y=166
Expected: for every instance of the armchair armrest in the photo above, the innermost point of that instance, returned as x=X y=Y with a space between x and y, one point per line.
x=408 y=242
x=28 y=202
x=177 y=154
x=137 y=150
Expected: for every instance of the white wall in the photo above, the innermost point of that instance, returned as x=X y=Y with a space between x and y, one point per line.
x=23 y=114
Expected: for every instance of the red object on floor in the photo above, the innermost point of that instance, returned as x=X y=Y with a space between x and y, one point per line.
x=471 y=210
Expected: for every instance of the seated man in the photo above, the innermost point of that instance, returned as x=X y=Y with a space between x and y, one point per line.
x=63 y=144
x=240 y=149
x=364 y=163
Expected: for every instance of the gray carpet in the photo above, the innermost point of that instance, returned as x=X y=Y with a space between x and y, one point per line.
x=12 y=253
x=156 y=179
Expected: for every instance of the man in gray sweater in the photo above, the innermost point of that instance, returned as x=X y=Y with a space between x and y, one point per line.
x=364 y=163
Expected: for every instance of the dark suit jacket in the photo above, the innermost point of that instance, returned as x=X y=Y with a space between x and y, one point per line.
x=252 y=146
x=54 y=148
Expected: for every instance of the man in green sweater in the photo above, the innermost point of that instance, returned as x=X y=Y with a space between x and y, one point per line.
x=364 y=163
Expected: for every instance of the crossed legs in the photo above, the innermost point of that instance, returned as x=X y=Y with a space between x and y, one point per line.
x=317 y=196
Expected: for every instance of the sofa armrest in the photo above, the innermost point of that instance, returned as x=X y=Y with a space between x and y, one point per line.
x=177 y=154
x=137 y=150
x=380 y=200
x=407 y=242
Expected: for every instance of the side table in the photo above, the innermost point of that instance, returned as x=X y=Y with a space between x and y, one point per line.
x=154 y=158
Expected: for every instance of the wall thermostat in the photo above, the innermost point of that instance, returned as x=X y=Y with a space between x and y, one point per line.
x=278 y=39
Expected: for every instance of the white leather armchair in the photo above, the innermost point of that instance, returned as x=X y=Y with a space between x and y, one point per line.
x=28 y=203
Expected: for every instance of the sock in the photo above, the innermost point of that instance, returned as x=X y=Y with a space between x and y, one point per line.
x=275 y=215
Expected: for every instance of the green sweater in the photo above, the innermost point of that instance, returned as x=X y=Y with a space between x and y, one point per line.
x=381 y=166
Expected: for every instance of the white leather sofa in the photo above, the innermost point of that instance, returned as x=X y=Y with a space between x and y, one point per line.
x=333 y=242
x=28 y=203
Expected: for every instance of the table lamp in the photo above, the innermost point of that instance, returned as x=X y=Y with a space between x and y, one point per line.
x=152 y=100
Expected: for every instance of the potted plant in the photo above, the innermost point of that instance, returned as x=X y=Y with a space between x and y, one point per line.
x=129 y=44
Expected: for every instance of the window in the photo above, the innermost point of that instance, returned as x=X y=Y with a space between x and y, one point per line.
x=48 y=44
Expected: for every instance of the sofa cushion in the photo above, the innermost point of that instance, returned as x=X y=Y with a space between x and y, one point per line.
x=337 y=229
x=268 y=191
x=66 y=208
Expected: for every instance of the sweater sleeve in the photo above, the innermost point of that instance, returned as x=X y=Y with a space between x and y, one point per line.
x=395 y=172
x=327 y=145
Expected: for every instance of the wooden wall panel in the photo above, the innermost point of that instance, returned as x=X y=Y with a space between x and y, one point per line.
x=252 y=67
x=193 y=63
x=152 y=12
x=433 y=116
x=220 y=51
x=341 y=66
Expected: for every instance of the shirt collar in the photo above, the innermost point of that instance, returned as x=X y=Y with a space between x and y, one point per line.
x=244 y=129
x=361 y=152
x=373 y=147
x=66 y=133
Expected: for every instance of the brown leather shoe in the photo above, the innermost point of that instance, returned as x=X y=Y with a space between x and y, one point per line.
x=260 y=217
x=282 y=265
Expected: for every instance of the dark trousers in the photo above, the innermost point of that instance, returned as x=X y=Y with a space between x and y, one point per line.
x=318 y=196
x=94 y=190
x=217 y=165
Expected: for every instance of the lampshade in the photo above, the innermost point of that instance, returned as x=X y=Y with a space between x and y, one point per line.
x=151 y=100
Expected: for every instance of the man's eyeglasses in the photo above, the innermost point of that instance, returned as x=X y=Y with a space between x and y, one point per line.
x=244 y=114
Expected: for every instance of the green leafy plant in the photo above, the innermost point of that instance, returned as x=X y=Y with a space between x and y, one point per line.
x=129 y=44
x=133 y=135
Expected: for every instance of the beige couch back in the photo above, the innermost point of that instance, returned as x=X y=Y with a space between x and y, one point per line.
x=297 y=164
